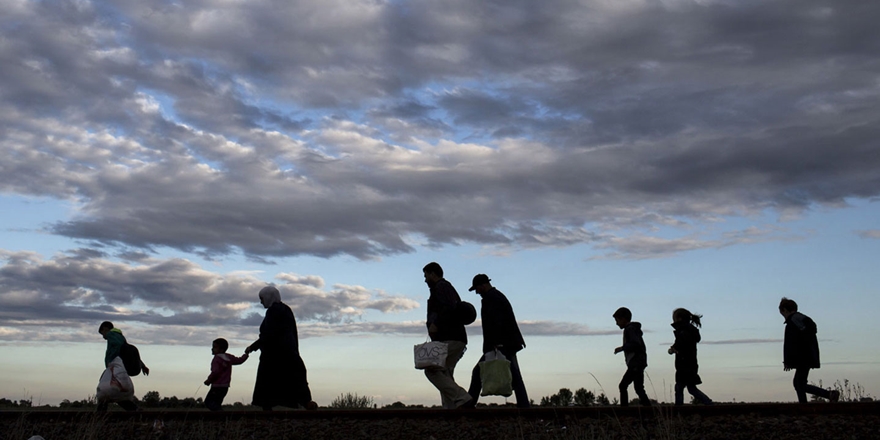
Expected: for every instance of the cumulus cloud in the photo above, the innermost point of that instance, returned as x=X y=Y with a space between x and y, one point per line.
x=367 y=128
x=81 y=287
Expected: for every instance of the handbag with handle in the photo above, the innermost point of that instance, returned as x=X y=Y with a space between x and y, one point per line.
x=495 y=375
x=431 y=354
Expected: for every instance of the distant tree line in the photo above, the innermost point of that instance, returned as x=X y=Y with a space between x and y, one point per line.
x=581 y=397
x=23 y=403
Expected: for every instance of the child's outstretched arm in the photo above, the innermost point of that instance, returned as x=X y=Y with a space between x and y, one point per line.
x=238 y=360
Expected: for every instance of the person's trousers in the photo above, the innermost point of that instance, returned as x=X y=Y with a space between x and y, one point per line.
x=699 y=395
x=451 y=395
x=519 y=387
x=214 y=399
x=802 y=388
x=636 y=377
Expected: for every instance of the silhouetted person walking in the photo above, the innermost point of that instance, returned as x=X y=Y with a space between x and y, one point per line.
x=687 y=335
x=801 y=351
x=501 y=332
x=444 y=326
x=281 y=375
x=116 y=368
x=221 y=373
x=636 y=355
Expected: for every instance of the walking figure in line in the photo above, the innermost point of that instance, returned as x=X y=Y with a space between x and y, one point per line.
x=221 y=373
x=444 y=325
x=501 y=332
x=800 y=351
x=281 y=375
x=687 y=335
x=636 y=355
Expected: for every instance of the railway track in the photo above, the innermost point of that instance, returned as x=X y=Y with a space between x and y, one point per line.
x=483 y=413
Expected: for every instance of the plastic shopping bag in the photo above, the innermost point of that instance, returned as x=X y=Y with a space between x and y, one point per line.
x=115 y=384
x=495 y=375
x=430 y=355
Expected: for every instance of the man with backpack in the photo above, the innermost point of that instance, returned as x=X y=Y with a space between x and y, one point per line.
x=122 y=361
x=501 y=333
x=445 y=324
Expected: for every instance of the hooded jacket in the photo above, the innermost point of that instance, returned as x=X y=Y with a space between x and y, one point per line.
x=115 y=341
x=221 y=369
x=801 y=346
x=634 y=349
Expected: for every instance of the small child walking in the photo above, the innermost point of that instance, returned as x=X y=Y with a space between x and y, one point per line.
x=221 y=373
x=800 y=351
x=636 y=355
x=687 y=335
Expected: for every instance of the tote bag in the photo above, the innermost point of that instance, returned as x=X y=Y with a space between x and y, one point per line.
x=495 y=375
x=430 y=355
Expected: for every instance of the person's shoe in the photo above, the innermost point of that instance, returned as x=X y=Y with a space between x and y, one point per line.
x=470 y=404
x=835 y=396
x=462 y=401
x=311 y=406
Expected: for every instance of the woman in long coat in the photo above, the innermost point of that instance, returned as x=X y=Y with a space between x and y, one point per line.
x=281 y=376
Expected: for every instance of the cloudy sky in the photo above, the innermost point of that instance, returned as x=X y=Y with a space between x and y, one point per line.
x=164 y=160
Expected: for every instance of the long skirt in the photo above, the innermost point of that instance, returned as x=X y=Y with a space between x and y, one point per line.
x=281 y=381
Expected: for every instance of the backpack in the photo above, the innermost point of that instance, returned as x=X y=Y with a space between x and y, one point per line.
x=465 y=312
x=131 y=358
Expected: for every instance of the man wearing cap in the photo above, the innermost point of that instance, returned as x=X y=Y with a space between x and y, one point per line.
x=443 y=325
x=500 y=331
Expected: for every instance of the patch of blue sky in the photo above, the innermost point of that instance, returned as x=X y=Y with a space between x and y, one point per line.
x=163 y=101
x=25 y=220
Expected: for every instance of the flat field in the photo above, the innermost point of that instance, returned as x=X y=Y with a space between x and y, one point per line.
x=739 y=421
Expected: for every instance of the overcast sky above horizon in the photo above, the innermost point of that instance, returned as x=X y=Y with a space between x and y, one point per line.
x=164 y=160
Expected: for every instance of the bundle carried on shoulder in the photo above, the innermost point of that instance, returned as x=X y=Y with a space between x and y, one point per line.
x=115 y=384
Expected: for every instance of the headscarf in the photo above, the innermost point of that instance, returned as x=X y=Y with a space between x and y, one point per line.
x=270 y=295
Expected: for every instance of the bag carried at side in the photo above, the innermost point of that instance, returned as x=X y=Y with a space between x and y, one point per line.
x=115 y=384
x=430 y=355
x=495 y=375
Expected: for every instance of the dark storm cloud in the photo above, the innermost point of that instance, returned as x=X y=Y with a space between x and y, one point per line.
x=371 y=128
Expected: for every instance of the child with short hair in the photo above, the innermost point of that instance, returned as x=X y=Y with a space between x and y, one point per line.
x=221 y=373
x=687 y=335
x=115 y=384
x=800 y=351
x=636 y=355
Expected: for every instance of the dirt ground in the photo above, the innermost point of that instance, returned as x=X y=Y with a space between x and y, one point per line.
x=547 y=425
